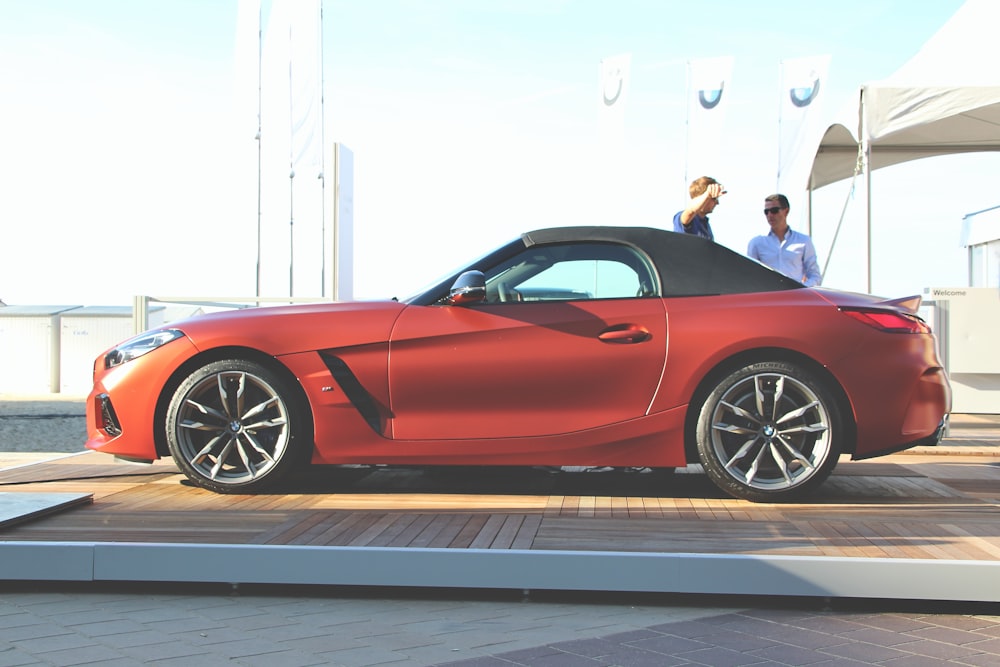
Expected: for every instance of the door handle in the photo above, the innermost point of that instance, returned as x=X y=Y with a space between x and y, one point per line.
x=624 y=336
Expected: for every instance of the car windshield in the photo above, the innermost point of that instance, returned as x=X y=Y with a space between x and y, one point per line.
x=439 y=287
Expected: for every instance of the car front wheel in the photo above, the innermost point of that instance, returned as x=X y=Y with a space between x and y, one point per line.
x=234 y=426
x=769 y=432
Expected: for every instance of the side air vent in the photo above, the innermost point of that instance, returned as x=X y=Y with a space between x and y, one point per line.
x=359 y=397
x=107 y=420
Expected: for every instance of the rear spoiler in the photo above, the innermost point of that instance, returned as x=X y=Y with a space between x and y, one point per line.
x=909 y=303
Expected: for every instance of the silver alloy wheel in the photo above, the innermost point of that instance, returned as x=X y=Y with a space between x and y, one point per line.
x=771 y=432
x=231 y=428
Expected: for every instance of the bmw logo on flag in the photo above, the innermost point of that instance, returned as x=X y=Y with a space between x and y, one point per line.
x=710 y=98
x=803 y=96
x=613 y=82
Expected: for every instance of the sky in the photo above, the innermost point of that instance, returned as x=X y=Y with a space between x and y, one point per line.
x=128 y=156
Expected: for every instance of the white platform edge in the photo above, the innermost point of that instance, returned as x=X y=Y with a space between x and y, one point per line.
x=870 y=578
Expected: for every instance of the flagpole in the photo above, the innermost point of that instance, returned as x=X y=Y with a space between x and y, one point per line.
x=260 y=58
x=781 y=108
x=291 y=170
x=322 y=161
x=687 y=124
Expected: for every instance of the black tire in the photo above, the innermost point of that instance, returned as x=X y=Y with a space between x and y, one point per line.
x=234 y=426
x=769 y=432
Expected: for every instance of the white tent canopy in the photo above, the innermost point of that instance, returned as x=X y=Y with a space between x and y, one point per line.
x=945 y=100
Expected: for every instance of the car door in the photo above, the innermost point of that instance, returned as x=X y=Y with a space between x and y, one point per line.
x=565 y=342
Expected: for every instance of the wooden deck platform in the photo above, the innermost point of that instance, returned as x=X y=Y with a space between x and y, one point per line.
x=907 y=506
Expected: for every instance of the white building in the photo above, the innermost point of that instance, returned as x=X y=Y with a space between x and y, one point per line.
x=967 y=319
x=981 y=235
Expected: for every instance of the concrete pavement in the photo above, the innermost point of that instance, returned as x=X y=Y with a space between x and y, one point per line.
x=197 y=625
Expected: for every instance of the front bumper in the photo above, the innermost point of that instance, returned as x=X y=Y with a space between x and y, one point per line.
x=121 y=408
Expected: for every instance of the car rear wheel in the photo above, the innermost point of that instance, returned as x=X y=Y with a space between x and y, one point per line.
x=234 y=426
x=769 y=432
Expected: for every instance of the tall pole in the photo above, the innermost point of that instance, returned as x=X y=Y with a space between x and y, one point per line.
x=809 y=205
x=322 y=161
x=260 y=58
x=687 y=122
x=335 y=285
x=291 y=170
x=868 y=202
x=866 y=145
x=781 y=106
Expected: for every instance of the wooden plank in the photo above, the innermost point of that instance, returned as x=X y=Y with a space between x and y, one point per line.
x=408 y=534
x=489 y=532
x=508 y=531
x=686 y=509
x=294 y=524
x=825 y=539
x=391 y=535
x=981 y=547
x=670 y=536
x=345 y=530
x=322 y=522
x=668 y=508
x=603 y=507
x=923 y=541
x=651 y=508
x=564 y=505
x=883 y=546
x=438 y=524
x=453 y=528
x=855 y=541
x=636 y=508
x=469 y=532
x=525 y=537
x=373 y=530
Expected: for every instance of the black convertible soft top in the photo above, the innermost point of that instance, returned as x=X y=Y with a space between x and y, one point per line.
x=689 y=265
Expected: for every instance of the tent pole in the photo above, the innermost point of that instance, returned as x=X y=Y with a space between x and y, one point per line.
x=866 y=149
x=809 y=205
x=868 y=203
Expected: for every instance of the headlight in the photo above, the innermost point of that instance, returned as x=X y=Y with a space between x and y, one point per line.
x=134 y=348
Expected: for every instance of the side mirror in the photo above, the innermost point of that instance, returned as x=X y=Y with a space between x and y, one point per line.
x=470 y=287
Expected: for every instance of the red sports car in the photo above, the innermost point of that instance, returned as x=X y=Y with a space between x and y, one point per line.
x=578 y=346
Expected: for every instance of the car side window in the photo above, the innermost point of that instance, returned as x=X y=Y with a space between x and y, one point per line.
x=571 y=272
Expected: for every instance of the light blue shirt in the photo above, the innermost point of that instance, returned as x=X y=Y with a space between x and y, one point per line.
x=795 y=256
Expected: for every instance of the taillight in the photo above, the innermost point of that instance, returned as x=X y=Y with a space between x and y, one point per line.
x=888 y=320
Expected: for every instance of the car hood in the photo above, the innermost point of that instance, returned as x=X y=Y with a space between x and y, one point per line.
x=282 y=330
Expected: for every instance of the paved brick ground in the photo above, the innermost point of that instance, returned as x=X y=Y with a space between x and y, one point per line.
x=781 y=636
x=69 y=625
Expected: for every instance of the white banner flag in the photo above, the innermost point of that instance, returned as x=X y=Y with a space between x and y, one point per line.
x=614 y=82
x=305 y=84
x=291 y=190
x=708 y=97
x=800 y=119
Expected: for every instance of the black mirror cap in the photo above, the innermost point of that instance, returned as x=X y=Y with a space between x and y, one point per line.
x=470 y=287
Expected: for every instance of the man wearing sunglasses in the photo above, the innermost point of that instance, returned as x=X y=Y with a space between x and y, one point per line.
x=783 y=248
x=705 y=193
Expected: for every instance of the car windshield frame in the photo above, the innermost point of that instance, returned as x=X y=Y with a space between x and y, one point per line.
x=438 y=289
